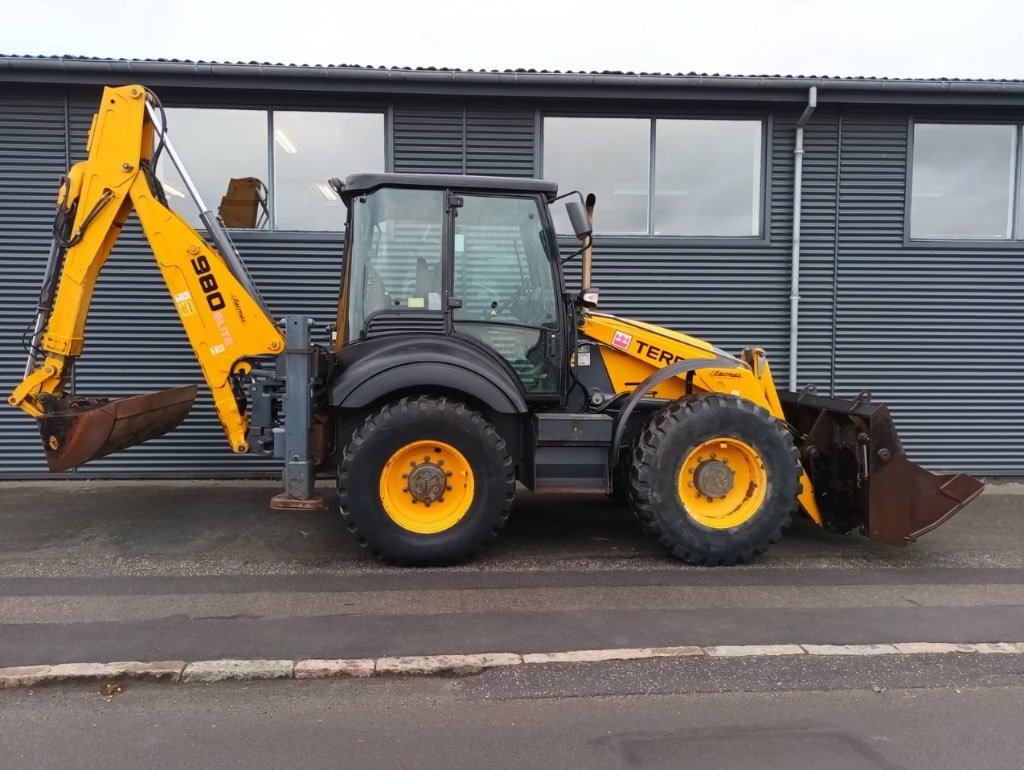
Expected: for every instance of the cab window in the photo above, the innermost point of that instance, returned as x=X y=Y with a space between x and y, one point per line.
x=395 y=256
x=503 y=277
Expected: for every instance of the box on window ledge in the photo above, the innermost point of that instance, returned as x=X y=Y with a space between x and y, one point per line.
x=245 y=203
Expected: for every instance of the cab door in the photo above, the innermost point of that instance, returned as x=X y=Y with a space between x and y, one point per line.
x=503 y=287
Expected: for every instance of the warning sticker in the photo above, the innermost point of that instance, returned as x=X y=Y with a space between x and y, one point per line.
x=621 y=340
x=186 y=308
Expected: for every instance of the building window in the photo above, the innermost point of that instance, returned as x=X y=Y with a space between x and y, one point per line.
x=610 y=157
x=309 y=149
x=964 y=181
x=264 y=169
x=707 y=178
x=704 y=176
x=215 y=146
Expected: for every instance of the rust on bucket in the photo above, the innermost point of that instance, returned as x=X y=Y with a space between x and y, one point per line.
x=77 y=429
x=861 y=474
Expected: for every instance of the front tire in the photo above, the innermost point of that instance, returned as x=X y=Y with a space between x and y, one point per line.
x=425 y=481
x=714 y=478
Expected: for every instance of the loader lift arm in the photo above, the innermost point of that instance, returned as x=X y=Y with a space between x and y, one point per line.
x=221 y=310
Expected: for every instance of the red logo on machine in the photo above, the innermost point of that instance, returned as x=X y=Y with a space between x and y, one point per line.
x=621 y=340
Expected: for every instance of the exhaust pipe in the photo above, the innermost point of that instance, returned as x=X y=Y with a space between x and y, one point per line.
x=861 y=474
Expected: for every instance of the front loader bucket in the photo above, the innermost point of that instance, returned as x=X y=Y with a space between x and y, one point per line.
x=861 y=475
x=81 y=429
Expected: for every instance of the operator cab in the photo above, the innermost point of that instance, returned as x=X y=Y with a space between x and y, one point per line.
x=469 y=257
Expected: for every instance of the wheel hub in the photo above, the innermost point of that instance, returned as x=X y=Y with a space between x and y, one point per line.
x=427 y=482
x=722 y=482
x=713 y=478
x=427 y=486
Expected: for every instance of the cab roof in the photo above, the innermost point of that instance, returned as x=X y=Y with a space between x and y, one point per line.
x=362 y=183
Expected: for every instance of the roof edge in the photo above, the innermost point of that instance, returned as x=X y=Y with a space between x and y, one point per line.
x=11 y=66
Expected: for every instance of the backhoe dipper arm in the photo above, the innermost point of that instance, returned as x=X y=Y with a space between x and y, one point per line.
x=223 y=315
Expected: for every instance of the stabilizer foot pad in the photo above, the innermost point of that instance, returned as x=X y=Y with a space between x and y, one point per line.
x=283 y=502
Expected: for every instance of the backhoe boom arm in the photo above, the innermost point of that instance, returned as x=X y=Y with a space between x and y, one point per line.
x=220 y=309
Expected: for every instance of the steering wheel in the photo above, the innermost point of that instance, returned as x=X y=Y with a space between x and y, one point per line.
x=530 y=304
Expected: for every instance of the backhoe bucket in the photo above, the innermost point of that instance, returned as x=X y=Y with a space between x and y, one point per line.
x=861 y=475
x=85 y=428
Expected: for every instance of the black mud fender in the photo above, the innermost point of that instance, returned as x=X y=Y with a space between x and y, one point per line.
x=370 y=370
x=657 y=377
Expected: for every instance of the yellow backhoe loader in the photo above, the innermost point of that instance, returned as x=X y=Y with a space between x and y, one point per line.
x=461 y=366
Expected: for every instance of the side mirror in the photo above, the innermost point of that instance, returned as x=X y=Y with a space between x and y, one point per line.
x=578 y=217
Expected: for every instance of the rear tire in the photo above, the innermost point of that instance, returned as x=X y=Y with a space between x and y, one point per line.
x=714 y=479
x=399 y=498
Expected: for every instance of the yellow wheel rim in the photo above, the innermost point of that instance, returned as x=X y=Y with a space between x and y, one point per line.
x=426 y=487
x=722 y=482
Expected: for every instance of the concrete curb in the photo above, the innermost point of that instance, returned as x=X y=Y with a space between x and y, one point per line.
x=455 y=665
x=26 y=676
x=602 y=656
x=222 y=670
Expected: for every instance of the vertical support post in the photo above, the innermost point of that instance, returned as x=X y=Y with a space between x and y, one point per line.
x=794 y=294
x=298 y=475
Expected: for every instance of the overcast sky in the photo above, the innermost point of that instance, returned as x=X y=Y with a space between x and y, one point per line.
x=896 y=38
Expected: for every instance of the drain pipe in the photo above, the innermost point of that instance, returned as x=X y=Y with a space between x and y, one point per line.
x=798 y=176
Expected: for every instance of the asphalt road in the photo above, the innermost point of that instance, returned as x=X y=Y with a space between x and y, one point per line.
x=105 y=571
x=482 y=722
x=99 y=572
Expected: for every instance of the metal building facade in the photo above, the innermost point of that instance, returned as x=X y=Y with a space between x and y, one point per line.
x=936 y=330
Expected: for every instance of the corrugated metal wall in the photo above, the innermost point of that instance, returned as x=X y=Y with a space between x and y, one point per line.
x=33 y=155
x=464 y=140
x=936 y=331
